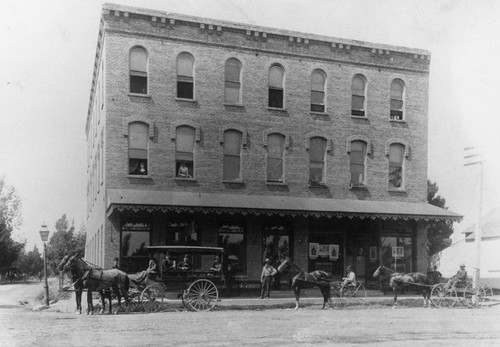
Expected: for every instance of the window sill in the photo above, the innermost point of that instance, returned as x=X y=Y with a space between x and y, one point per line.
x=317 y=185
x=233 y=181
x=137 y=95
x=316 y=113
x=186 y=179
x=139 y=176
x=359 y=117
x=277 y=109
x=398 y=120
x=233 y=105
x=396 y=190
x=276 y=183
x=358 y=187
x=187 y=100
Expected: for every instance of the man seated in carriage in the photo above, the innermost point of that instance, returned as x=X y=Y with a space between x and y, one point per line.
x=185 y=265
x=217 y=266
x=349 y=280
x=459 y=278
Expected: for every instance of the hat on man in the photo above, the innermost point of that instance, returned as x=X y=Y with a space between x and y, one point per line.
x=462 y=265
x=268 y=260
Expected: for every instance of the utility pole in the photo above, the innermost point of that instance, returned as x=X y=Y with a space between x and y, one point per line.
x=473 y=156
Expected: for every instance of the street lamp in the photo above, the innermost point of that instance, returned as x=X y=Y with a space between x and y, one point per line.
x=44 y=234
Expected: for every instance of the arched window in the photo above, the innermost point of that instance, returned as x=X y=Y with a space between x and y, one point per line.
x=317 y=152
x=275 y=157
x=276 y=88
x=232 y=77
x=318 y=80
x=357 y=157
x=138 y=143
x=138 y=70
x=396 y=160
x=184 y=151
x=397 y=93
x=232 y=155
x=358 y=96
x=185 y=76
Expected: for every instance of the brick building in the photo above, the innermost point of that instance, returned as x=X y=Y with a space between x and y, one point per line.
x=264 y=141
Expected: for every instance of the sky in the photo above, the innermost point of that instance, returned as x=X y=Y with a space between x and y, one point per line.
x=48 y=50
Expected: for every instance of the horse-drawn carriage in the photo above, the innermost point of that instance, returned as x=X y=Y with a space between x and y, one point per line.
x=450 y=293
x=195 y=285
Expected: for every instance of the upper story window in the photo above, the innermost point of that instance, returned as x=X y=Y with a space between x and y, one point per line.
x=232 y=77
x=275 y=157
x=396 y=160
x=318 y=80
x=357 y=157
x=138 y=143
x=184 y=151
x=232 y=155
x=138 y=70
x=397 y=94
x=185 y=79
x=358 y=89
x=317 y=153
x=276 y=88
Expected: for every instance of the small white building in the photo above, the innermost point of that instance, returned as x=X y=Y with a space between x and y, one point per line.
x=463 y=250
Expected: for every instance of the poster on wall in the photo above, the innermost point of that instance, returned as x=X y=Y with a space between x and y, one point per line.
x=333 y=252
x=324 y=251
x=398 y=252
x=313 y=250
x=373 y=254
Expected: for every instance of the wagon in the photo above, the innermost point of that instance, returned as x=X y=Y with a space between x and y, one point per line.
x=348 y=294
x=197 y=286
x=448 y=295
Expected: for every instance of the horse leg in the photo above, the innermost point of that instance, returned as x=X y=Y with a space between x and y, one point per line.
x=119 y=298
x=102 y=294
x=427 y=296
x=90 y=306
x=296 y=291
x=78 y=297
x=326 y=296
x=395 y=290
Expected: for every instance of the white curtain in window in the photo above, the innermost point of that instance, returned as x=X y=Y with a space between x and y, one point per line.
x=276 y=77
x=185 y=64
x=138 y=140
x=138 y=60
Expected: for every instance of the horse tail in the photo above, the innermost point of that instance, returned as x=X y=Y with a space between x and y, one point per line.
x=127 y=283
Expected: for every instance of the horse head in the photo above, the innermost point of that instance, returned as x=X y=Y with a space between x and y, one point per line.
x=63 y=262
x=381 y=271
x=285 y=265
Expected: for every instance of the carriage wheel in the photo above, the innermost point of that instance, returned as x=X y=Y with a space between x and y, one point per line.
x=471 y=296
x=354 y=294
x=134 y=304
x=485 y=294
x=335 y=299
x=201 y=295
x=152 y=297
x=442 y=296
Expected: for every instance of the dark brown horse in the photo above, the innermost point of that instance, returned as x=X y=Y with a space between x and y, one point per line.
x=304 y=280
x=398 y=280
x=86 y=276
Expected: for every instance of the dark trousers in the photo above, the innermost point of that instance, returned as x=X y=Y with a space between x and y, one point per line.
x=266 y=286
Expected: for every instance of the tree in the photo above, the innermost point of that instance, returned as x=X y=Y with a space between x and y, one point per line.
x=10 y=218
x=31 y=263
x=63 y=242
x=439 y=232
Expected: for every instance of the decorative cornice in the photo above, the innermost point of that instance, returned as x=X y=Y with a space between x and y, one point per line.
x=329 y=141
x=268 y=132
x=131 y=119
x=282 y=213
x=400 y=141
x=242 y=130
x=361 y=138
x=178 y=123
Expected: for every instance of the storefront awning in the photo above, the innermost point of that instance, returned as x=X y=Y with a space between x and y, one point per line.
x=147 y=200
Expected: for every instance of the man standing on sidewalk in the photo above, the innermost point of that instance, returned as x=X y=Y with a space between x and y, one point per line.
x=265 y=279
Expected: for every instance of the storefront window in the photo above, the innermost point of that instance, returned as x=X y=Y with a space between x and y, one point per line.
x=135 y=236
x=232 y=239
x=397 y=253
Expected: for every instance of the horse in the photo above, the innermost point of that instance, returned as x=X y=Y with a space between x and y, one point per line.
x=86 y=276
x=304 y=279
x=398 y=280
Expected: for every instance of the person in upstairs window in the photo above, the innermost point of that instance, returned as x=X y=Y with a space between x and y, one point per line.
x=183 y=171
x=140 y=169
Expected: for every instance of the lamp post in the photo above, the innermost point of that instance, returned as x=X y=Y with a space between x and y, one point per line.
x=44 y=234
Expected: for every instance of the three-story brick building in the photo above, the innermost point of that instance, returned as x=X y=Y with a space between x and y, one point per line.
x=266 y=142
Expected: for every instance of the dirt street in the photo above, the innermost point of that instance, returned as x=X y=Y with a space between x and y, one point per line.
x=372 y=325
